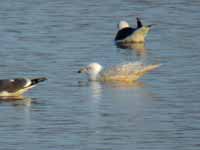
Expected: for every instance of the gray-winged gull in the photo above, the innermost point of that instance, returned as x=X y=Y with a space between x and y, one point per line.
x=126 y=73
x=16 y=87
x=128 y=34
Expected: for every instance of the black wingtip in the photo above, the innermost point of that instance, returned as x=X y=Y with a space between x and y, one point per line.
x=37 y=80
x=139 y=23
x=150 y=25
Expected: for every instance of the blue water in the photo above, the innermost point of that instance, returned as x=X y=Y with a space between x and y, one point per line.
x=55 y=38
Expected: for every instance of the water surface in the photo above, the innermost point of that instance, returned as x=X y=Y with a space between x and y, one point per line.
x=55 y=38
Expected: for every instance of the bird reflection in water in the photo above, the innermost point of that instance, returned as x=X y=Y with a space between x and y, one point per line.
x=133 y=85
x=138 y=48
x=97 y=87
x=17 y=101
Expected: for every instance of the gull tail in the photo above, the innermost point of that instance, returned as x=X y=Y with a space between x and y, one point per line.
x=147 y=69
x=143 y=71
x=37 y=80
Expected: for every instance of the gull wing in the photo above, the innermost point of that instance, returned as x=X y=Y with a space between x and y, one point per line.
x=124 y=33
x=17 y=86
x=13 y=85
x=127 y=73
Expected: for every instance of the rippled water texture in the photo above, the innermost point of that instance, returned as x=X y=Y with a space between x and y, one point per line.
x=54 y=38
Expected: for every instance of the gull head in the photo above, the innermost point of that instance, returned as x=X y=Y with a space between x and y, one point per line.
x=122 y=25
x=92 y=70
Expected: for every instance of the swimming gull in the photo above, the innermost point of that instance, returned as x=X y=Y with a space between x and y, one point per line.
x=16 y=87
x=128 y=34
x=126 y=73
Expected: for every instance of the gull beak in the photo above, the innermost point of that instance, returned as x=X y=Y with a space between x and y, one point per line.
x=82 y=70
